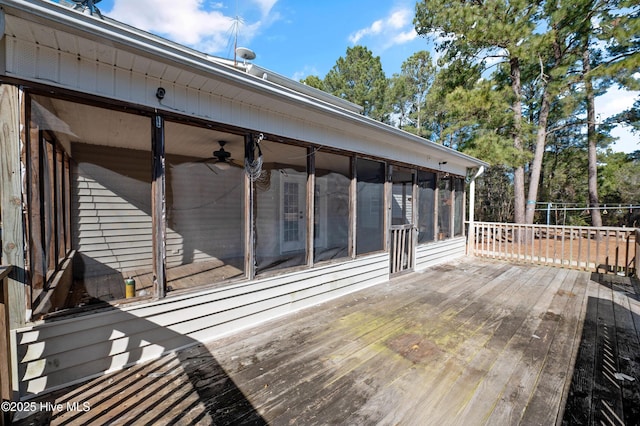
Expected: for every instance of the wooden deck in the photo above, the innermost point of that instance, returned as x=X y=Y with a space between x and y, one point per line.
x=472 y=342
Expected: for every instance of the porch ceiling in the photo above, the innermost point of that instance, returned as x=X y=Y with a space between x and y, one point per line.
x=75 y=122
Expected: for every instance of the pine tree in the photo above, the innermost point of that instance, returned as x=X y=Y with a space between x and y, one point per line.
x=358 y=77
x=487 y=30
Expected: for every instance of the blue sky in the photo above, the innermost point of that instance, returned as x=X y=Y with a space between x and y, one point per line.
x=297 y=38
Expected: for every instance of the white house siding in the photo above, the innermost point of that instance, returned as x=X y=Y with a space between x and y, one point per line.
x=111 y=210
x=439 y=252
x=54 y=354
x=205 y=212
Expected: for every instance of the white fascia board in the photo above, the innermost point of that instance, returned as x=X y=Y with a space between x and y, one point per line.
x=274 y=77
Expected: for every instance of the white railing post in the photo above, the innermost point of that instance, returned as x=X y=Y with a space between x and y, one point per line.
x=472 y=209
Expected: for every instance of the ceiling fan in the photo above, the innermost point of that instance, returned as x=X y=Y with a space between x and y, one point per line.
x=221 y=158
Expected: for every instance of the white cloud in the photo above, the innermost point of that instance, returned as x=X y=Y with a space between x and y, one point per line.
x=627 y=141
x=266 y=5
x=613 y=102
x=396 y=28
x=374 y=28
x=305 y=72
x=400 y=18
x=405 y=37
x=188 y=22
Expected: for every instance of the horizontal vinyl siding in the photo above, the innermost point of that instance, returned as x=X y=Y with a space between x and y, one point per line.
x=439 y=252
x=205 y=212
x=111 y=209
x=55 y=354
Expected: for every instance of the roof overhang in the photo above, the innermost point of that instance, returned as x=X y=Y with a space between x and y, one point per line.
x=291 y=96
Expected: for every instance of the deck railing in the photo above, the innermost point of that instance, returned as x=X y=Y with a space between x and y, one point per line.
x=402 y=247
x=603 y=249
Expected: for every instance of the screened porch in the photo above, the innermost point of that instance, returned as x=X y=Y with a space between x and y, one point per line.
x=91 y=173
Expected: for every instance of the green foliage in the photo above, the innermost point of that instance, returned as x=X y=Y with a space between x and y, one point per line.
x=313 y=81
x=482 y=123
x=541 y=62
x=472 y=26
x=419 y=73
x=399 y=98
x=358 y=77
x=620 y=29
x=459 y=74
x=620 y=187
x=494 y=195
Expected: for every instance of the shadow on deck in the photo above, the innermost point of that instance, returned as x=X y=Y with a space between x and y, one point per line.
x=605 y=389
x=184 y=387
x=472 y=342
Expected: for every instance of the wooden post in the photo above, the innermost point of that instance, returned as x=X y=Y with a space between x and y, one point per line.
x=436 y=209
x=13 y=234
x=37 y=263
x=452 y=210
x=158 y=209
x=353 y=208
x=464 y=208
x=6 y=389
x=249 y=229
x=414 y=216
x=311 y=187
x=387 y=200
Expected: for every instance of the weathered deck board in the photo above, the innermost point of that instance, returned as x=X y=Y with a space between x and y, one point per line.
x=553 y=380
x=476 y=342
x=609 y=347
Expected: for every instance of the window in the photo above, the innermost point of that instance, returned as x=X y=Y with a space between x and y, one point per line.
x=331 y=206
x=205 y=206
x=290 y=213
x=426 y=206
x=370 y=206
